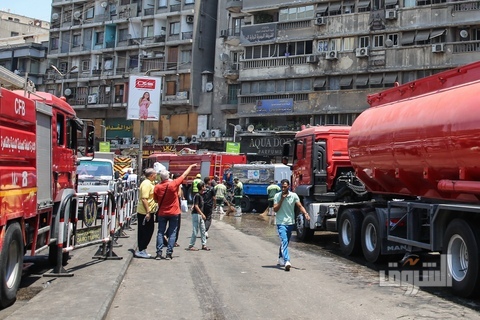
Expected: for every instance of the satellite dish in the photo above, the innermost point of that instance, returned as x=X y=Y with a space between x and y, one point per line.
x=238 y=128
x=388 y=43
x=55 y=16
x=209 y=86
x=464 y=34
x=77 y=15
x=67 y=92
x=250 y=128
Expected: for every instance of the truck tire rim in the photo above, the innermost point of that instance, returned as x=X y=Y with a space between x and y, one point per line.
x=12 y=264
x=457 y=258
x=346 y=232
x=370 y=237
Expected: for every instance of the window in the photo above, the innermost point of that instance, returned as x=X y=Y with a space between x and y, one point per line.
x=162 y=3
x=174 y=28
x=133 y=62
x=378 y=40
x=90 y=13
x=14 y=34
x=185 y=56
x=233 y=93
x=322 y=45
x=184 y=82
x=348 y=43
x=364 y=6
x=99 y=37
x=335 y=44
x=348 y=6
x=85 y=65
x=296 y=13
x=363 y=42
x=122 y=34
x=334 y=9
x=237 y=23
x=148 y=31
x=76 y=40
x=171 y=88
x=54 y=43
x=393 y=37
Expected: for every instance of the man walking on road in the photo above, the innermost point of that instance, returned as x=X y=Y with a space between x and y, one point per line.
x=166 y=195
x=146 y=208
x=284 y=206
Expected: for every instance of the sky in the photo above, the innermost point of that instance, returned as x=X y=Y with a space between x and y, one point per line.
x=39 y=9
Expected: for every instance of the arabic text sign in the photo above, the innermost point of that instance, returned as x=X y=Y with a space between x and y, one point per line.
x=274 y=106
x=258 y=33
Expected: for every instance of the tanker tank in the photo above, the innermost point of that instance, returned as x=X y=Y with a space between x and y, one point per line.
x=425 y=144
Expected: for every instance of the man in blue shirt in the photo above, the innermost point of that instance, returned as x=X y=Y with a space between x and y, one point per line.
x=284 y=206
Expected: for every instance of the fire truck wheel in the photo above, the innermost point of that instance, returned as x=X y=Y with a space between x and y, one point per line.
x=371 y=241
x=350 y=228
x=304 y=233
x=11 y=264
x=461 y=244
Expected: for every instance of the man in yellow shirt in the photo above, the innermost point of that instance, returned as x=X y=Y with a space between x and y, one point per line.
x=146 y=210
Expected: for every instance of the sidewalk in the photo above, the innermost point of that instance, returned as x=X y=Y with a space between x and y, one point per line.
x=88 y=293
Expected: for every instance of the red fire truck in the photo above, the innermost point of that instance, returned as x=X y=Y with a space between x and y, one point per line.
x=404 y=178
x=39 y=140
x=210 y=164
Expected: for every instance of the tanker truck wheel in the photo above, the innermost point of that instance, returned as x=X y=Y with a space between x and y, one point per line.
x=245 y=204
x=350 y=228
x=304 y=233
x=371 y=241
x=461 y=244
x=11 y=264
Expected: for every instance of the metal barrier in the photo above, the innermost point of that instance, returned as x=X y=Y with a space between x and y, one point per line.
x=101 y=219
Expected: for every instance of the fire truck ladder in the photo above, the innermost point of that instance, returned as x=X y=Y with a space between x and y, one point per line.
x=217 y=169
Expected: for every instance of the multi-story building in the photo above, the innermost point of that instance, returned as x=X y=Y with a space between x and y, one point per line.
x=282 y=64
x=96 y=45
x=23 y=46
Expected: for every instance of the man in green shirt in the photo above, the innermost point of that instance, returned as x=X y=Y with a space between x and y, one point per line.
x=284 y=206
x=272 y=190
x=198 y=179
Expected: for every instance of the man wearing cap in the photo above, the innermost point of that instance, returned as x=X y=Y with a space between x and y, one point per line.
x=272 y=190
x=198 y=178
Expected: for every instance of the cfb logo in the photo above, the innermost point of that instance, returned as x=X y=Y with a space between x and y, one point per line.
x=20 y=107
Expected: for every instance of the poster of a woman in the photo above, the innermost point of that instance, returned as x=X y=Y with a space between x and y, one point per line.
x=144 y=102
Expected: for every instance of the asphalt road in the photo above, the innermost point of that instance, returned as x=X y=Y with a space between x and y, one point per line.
x=239 y=279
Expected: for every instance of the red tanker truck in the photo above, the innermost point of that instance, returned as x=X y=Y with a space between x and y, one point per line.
x=405 y=176
x=38 y=158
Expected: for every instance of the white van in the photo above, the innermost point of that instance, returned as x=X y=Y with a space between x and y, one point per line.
x=95 y=175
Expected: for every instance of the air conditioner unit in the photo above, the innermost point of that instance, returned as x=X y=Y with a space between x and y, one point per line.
x=390 y=14
x=331 y=55
x=182 y=139
x=215 y=133
x=168 y=139
x=439 y=47
x=205 y=134
x=194 y=139
x=92 y=99
x=361 y=52
x=312 y=59
x=319 y=21
x=189 y=19
x=224 y=33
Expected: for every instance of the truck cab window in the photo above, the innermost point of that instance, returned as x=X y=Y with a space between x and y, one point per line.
x=60 y=130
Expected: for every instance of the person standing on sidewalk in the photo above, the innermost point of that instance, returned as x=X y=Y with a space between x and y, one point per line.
x=272 y=190
x=208 y=203
x=146 y=208
x=284 y=206
x=220 y=194
x=198 y=220
x=166 y=195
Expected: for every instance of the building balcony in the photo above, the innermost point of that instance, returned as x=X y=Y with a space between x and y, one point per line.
x=234 y=6
x=232 y=71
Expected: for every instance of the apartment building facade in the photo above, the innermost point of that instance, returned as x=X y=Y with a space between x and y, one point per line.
x=96 y=45
x=283 y=64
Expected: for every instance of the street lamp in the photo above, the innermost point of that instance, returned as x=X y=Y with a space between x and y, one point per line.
x=63 y=75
